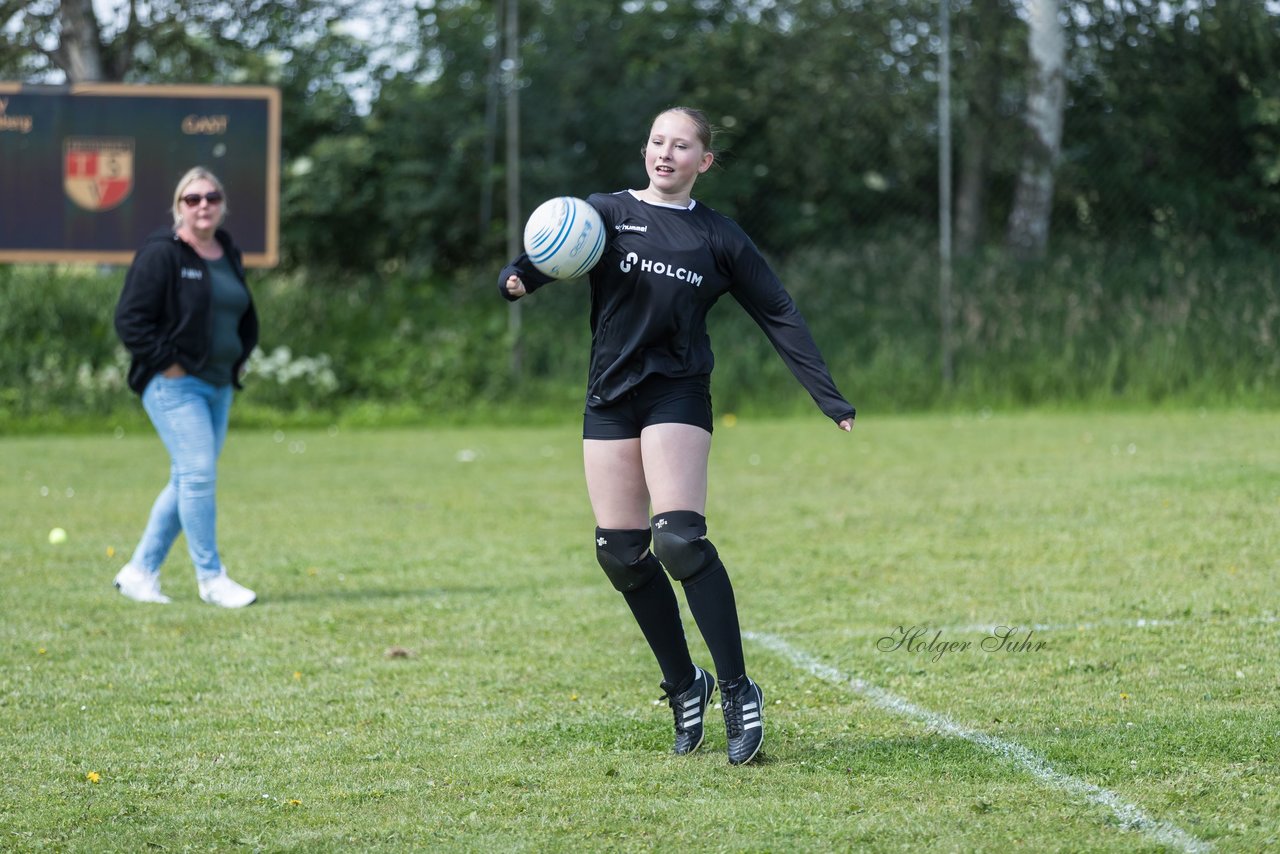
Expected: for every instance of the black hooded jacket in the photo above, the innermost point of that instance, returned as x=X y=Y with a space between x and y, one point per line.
x=164 y=315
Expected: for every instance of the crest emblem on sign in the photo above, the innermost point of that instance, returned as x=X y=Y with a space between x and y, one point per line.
x=97 y=172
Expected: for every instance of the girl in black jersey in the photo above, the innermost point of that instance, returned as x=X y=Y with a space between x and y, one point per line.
x=647 y=424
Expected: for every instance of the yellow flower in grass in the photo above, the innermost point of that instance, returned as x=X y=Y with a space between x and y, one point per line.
x=297 y=675
x=93 y=777
x=295 y=802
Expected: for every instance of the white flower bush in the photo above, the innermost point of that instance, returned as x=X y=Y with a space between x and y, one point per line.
x=283 y=367
x=107 y=379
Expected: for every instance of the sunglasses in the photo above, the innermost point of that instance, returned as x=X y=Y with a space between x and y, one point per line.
x=193 y=199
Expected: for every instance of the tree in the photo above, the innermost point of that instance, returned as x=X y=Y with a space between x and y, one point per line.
x=1174 y=121
x=25 y=37
x=1162 y=119
x=988 y=56
x=79 y=52
x=67 y=37
x=188 y=41
x=1028 y=234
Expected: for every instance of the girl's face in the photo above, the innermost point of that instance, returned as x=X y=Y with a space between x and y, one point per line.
x=674 y=157
x=203 y=217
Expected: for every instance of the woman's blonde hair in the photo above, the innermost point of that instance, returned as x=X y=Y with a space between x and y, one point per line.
x=195 y=174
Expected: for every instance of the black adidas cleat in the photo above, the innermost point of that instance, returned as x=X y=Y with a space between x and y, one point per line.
x=743 y=703
x=689 y=708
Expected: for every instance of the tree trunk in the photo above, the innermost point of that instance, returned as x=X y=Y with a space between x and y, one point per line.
x=971 y=194
x=515 y=222
x=79 y=52
x=1028 y=234
x=983 y=35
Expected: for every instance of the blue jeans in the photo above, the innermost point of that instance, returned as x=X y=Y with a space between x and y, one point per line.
x=191 y=417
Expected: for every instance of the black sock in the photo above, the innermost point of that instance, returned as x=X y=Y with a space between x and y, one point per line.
x=711 y=602
x=656 y=610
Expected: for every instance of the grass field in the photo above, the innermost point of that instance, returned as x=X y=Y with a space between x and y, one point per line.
x=438 y=663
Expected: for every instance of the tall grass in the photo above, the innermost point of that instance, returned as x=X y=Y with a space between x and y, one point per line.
x=1095 y=324
x=1118 y=325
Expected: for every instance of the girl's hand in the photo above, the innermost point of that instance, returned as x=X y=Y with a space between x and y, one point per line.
x=515 y=287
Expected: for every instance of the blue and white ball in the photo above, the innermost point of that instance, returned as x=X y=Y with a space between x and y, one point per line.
x=564 y=237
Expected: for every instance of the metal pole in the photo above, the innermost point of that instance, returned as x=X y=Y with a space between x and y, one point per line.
x=944 y=190
x=514 y=221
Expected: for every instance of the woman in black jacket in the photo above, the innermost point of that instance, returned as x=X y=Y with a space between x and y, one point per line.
x=187 y=318
x=647 y=421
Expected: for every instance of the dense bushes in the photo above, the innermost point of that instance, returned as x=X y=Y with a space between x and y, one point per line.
x=1192 y=324
x=60 y=359
x=1095 y=324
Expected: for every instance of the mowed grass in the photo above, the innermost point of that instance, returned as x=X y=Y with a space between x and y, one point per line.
x=438 y=663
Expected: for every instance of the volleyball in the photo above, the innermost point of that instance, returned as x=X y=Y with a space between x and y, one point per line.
x=564 y=237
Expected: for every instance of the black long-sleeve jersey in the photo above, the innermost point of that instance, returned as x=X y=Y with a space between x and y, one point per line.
x=662 y=269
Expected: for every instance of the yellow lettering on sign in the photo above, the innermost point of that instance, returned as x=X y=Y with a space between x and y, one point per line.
x=20 y=124
x=204 y=125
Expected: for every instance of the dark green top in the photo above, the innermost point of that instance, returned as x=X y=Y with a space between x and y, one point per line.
x=230 y=302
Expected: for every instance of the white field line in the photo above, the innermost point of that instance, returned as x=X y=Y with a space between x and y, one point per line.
x=1129 y=815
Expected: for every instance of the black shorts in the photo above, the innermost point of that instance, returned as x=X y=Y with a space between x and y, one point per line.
x=656 y=400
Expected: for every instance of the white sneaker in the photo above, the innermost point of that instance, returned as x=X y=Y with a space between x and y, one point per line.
x=223 y=592
x=140 y=585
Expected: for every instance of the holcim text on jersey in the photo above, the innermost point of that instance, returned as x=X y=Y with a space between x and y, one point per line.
x=660 y=268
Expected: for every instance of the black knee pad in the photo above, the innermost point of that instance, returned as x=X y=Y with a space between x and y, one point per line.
x=624 y=556
x=680 y=541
